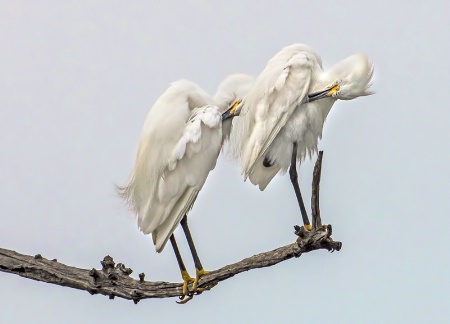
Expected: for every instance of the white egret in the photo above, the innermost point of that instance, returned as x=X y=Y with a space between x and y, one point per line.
x=179 y=145
x=281 y=118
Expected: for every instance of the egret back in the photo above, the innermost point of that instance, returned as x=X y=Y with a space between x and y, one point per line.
x=278 y=90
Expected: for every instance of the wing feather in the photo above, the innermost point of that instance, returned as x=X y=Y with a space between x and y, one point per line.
x=179 y=146
x=279 y=89
x=204 y=135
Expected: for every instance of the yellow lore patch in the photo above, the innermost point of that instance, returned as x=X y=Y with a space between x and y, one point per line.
x=235 y=105
x=333 y=90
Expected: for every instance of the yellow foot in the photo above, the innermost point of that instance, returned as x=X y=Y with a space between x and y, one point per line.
x=198 y=275
x=308 y=227
x=186 y=279
x=189 y=294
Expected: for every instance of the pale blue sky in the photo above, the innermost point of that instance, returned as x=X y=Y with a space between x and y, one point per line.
x=76 y=81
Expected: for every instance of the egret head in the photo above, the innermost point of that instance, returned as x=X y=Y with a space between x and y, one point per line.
x=231 y=92
x=351 y=78
x=233 y=110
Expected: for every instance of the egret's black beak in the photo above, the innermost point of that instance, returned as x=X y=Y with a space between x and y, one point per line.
x=323 y=94
x=227 y=114
x=232 y=111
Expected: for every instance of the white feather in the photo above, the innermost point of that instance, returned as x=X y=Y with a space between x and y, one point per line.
x=276 y=113
x=179 y=145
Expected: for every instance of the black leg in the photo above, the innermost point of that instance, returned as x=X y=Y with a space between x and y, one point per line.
x=187 y=232
x=184 y=274
x=199 y=271
x=177 y=253
x=294 y=180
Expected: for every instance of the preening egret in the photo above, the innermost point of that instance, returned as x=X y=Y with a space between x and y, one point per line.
x=179 y=145
x=281 y=118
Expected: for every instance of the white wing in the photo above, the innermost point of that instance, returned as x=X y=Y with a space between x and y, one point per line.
x=279 y=89
x=194 y=156
x=178 y=148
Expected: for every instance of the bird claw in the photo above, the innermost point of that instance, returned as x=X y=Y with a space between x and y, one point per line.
x=198 y=274
x=187 y=297
x=188 y=294
x=184 y=300
x=199 y=290
x=186 y=279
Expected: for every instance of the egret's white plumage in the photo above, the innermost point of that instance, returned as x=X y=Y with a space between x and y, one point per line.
x=179 y=146
x=276 y=112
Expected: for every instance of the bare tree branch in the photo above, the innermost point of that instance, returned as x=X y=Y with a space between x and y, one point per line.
x=316 y=220
x=115 y=281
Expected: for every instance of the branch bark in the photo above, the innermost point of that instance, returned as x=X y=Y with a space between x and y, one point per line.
x=115 y=281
